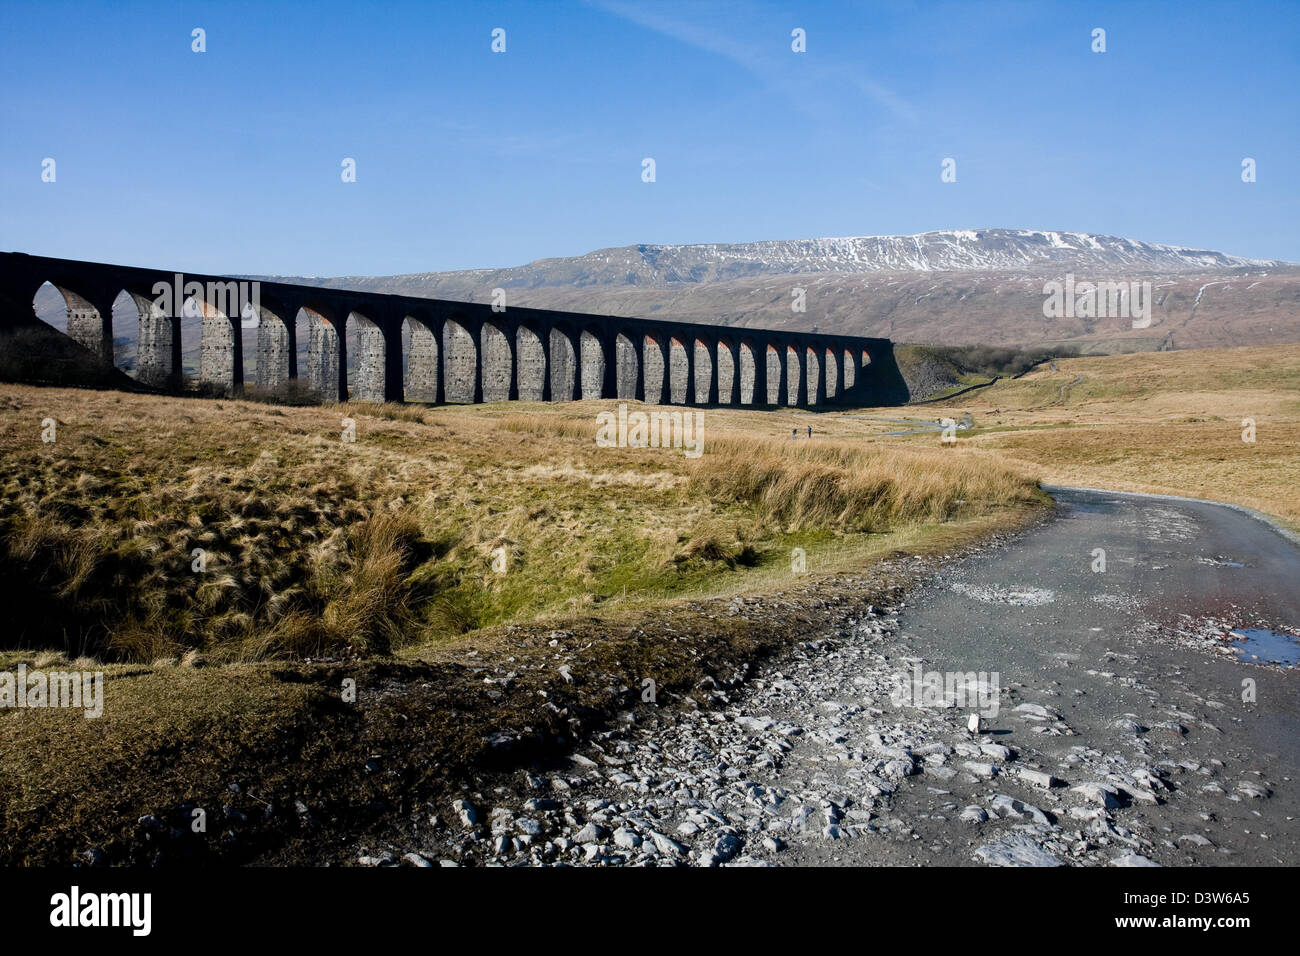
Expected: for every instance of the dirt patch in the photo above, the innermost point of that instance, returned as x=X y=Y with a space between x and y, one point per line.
x=283 y=766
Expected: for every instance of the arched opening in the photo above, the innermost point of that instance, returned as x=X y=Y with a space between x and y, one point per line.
x=563 y=367
x=157 y=339
x=530 y=362
x=747 y=373
x=812 y=375
x=302 y=340
x=497 y=363
x=774 y=375
x=318 y=353
x=677 y=371
x=794 y=380
x=849 y=372
x=74 y=315
x=272 y=352
x=51 y=305
x=726 y=371
x=247 y=321
x=126 y=329
x=39 y=352
x=625 y=366
x=190 y=323
x=369 y=357
x=654 y=378
x=593 y=366
x=220 y=370
x=419 y=360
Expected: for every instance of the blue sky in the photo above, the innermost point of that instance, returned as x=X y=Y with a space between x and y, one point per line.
x=229 y=160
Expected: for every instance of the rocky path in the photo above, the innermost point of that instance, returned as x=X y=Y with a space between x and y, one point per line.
x=1127 y=731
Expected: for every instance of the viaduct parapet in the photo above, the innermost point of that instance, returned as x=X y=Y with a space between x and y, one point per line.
x=433 y=350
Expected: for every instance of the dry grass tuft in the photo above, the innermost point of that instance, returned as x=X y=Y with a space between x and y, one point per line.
x=855 y=488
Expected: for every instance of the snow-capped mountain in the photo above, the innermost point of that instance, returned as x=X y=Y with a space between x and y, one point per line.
x=942 y=251
x=953 y=286
x=949 y=250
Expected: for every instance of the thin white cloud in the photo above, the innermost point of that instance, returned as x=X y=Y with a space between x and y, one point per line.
x=754 y=59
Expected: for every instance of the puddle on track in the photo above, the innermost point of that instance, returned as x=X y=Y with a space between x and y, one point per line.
x=1219 y=561
x=1263 y=646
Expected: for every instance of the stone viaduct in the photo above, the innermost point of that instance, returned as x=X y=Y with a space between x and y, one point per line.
x=431 y=350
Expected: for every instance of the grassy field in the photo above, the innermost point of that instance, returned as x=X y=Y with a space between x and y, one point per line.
x=1168 y=422
x=152 y=528
x=422 y=524
x=447 y=559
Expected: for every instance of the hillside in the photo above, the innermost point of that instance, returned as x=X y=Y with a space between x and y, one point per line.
x=952 y=287
x=960 y=250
